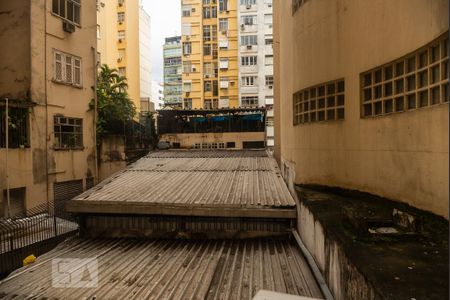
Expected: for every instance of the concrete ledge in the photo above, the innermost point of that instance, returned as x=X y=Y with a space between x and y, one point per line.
x=362 y=264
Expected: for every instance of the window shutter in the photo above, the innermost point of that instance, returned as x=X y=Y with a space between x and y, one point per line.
x=77 y=71
x=58 y=67
x=69 y=69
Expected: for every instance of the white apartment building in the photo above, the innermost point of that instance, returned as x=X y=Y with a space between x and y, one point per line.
x=145 y=54
x=256 y=58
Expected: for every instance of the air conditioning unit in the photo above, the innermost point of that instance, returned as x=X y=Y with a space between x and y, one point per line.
x=193 y=9
x=68 y=27
x=242 y=26
x=194 y=69
x=249 y=46
x=224 y=32
x=121 y=4
x=270 y=86
x=188 y=94
x=120 y=40
x=188 y=37
x=207 y=76
x=119 y=59
x=248 y=6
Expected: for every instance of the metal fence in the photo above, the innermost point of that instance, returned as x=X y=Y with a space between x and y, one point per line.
x=34 y=232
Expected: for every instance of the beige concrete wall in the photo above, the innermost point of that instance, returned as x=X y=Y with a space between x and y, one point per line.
x=39 y=166
x=112 y=156
x=401 y=156
x=188 y=140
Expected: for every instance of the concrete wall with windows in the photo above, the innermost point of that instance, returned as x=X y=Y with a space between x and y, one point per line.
x=400 y=155
x=37 y=163
x=145 y=53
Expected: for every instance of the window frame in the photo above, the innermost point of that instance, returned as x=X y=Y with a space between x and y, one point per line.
x=63 y=15
x=64 y=64
x=57 y=123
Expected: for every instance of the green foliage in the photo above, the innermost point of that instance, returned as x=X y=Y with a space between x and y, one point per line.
x=113 y=103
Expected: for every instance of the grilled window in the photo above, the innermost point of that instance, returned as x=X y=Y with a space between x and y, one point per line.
x=187 y=48
x=248 y=2
x=186 y=10
x=249 y=80
x=68 y=132
x=223 y=24
x=18 y=126
x=187 y=103
x=249 y=20
x=419 y=79
x=269 y=80
x=324 y=102
x=69 y=10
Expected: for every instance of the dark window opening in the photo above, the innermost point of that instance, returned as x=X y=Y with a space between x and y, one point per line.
x=18 y=127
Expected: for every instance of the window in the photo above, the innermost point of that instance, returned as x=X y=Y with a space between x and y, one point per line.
x=121 y=17
x=121 y=35
x=223 y=25
x=208 y=69
x=18 y=129
x=186 y=10
x=249 y=80
x=223 y=64
x=269 y=41
x=247 y=40
x=187 y=67
x=269 y=80
x=187 y=103
x=268 y=19
x=66 y=68
x=324 y=102
x=251 y=101
x=248 y=2
x=187 y=86
x=223 y=5
x=120 y=2
x=17 y=203
x=249 y=60
x=210 y=12
x=122 y=71
x=187 y=48
x=69 y=10
x=207 y=49
x=248 y=20
x=186 y=29
x=207 y=86
x=206 y=33
x=418 y=80
x=68 y=132
x=269 y=60
x=121 y=54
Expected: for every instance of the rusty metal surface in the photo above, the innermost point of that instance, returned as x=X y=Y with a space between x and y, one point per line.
x=201 y=184
x=171 y=269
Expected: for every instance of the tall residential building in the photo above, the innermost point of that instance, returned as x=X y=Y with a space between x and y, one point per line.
x=46 y=78
x=157 y=94
x=118 y=41
x=256 y=58
x=172 y=72
x=362 y=99
x=145 y=54
x=210 y=53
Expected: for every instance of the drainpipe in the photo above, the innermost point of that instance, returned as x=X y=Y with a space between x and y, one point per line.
x=7 y=150
x=94 y=53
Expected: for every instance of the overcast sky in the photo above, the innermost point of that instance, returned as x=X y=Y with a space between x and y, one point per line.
x=165 y=21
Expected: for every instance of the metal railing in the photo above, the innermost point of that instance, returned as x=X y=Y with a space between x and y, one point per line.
x=34 y=232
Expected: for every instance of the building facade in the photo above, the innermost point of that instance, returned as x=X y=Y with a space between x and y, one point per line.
x=118 y=33
x=362 y=101
x=47 y=80
x=256 y=58
x=157 y=94
x=210 y=54
x=172 y=72
x=145 y=61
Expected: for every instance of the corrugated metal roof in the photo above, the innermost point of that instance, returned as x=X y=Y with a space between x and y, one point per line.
x=203 y=186
x=170 y=269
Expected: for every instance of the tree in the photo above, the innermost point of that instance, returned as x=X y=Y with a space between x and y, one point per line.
x=114 y=106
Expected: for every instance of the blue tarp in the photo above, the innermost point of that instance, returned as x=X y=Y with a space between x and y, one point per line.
x=254 y=117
